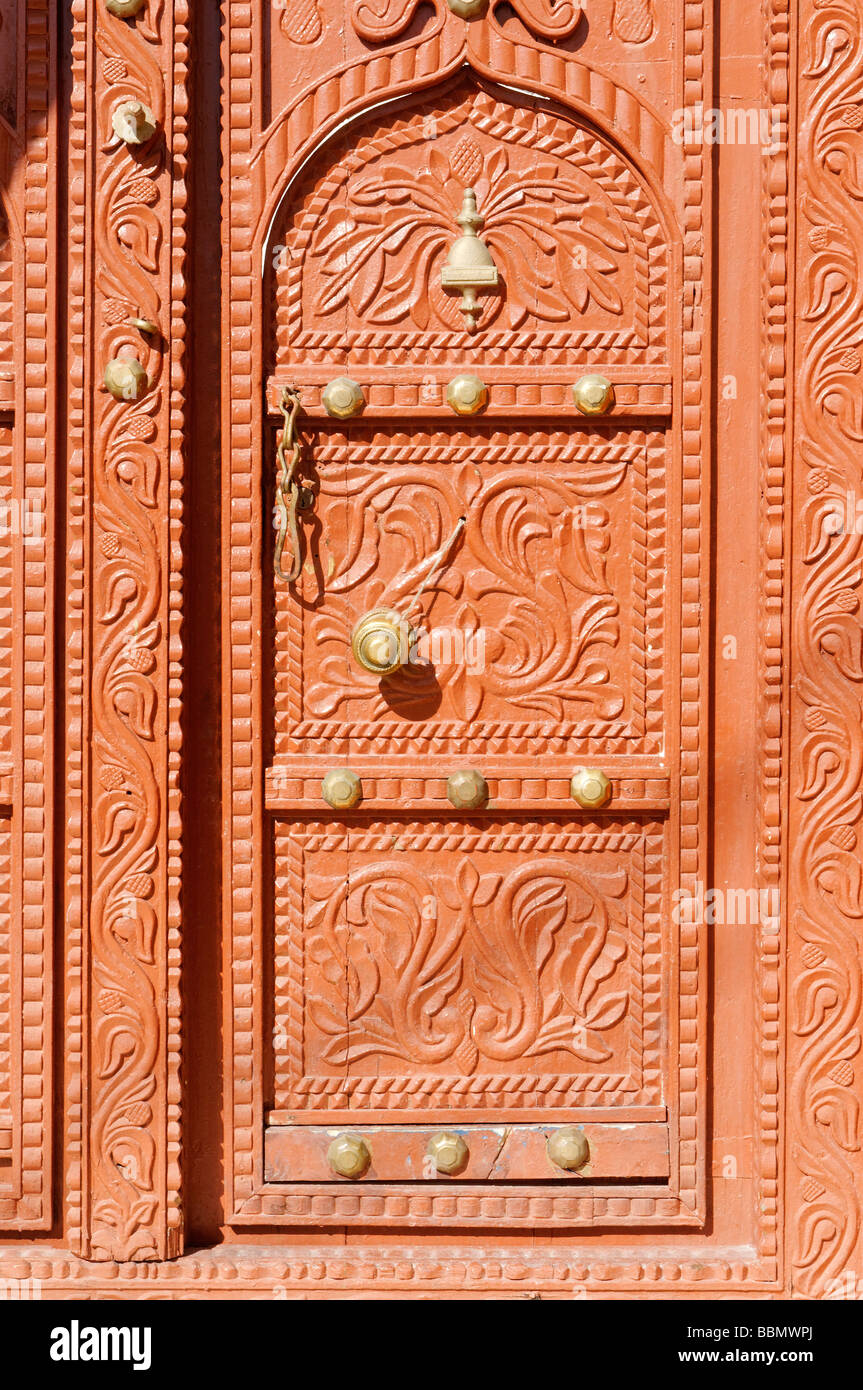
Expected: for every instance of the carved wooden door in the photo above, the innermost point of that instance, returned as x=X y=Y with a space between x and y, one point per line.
x=465 y=852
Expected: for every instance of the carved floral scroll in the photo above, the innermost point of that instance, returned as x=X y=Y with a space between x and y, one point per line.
x=123 y=733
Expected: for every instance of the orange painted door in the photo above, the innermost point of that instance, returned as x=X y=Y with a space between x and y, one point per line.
x=476 y=853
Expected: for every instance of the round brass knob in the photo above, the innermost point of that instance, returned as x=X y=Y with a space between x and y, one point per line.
x=467 y=9
x=590 y=788
x=568 y=1148
x=348 y=1155
x=381 y=641
x=467 y=789
x=343 y=398
x=342 y=789
x=593 y=395
x=133 y=122
x=124 y=9
x=449 y=1151
x=467 y=395
x=126 y=379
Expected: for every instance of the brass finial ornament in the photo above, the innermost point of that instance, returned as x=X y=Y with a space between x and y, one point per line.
x=342 y=789
x=343 y=398
x=381 y=641
x=466 y=394
x=133 y=122
x=590 y=788
x=348 y=1155
x=126 y=379
x=448 y=1151
x=568 y=1149
x=467 y=789
x=593 y=394
x=469 y=265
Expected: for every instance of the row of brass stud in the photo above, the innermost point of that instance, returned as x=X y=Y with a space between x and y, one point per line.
x=350 y=1157
x=343 y=398
x=465 y=395
x=466 y=789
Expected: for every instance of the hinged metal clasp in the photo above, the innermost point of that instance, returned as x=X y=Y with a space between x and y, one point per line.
x=289 y=495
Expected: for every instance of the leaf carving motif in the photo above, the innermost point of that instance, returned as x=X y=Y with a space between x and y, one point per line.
x=529 y=595
x=487 y=968
x=826 y=884
x=383 y=21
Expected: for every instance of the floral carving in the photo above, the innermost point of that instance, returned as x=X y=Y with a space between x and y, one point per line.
x=633 y=21
x=826 y=889
x=301 y=21
x=382 y=21
x=130 y=1080
x=536 y=589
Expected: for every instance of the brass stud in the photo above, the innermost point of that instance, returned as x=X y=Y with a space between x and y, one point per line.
x=343 y=398
x=468 y=9
x=449 y=1151
x=342 y=789
x=467 y=789
x=381 y=641
x=590 y=788
x=124 y=9
x=568 y=1149
x=349 y=1156
x=133 y=122
x=466 y=394
x=593 y=395
x=126 y=379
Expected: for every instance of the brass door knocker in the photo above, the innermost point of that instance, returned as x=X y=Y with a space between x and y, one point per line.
x=288 y=492
x=383 y=639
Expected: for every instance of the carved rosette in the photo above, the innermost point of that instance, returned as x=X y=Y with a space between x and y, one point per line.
x=826 y=886
x=128 y=745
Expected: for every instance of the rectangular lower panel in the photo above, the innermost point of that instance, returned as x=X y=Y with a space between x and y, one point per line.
x=469 y=969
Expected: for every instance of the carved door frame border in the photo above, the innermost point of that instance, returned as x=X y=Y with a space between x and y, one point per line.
x=815 y=1201
x=28 y=165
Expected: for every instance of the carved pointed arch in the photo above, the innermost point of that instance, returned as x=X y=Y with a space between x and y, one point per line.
x=349 y=93
x=355 y=249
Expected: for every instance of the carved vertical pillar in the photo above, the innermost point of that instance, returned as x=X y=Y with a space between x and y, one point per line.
x=825 y=985
x=127 y=242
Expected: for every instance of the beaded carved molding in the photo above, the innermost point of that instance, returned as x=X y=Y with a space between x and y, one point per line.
x=28 y=318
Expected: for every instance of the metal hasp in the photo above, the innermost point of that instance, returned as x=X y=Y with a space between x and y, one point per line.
x=469 y=266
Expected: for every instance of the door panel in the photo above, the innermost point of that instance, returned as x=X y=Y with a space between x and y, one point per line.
x=435 y=965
